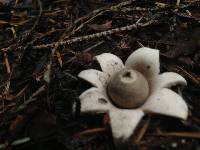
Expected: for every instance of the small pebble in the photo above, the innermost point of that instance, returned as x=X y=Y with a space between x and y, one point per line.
x=162 y=146
x=174 y=145
x=183 y=141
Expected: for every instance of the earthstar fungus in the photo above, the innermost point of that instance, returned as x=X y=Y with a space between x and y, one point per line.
x=128 y=91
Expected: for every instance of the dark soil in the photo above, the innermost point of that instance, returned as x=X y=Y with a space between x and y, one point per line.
x=44 y=45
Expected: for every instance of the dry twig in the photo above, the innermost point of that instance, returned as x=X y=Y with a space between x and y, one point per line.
x=98 y=35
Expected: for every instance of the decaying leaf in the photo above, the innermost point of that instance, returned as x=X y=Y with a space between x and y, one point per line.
x=101 y=27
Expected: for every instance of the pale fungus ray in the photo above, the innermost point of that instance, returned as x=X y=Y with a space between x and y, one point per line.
x=123 y=123
x=127 y=92
x=145 y=60
x=167 y=80
x=166 y=102
x=95 y=77
x=109 y=63
x=93 y=100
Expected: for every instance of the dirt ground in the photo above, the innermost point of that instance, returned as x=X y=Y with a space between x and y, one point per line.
x=44 y=44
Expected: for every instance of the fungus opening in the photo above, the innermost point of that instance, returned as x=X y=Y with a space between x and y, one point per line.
x=127 y=74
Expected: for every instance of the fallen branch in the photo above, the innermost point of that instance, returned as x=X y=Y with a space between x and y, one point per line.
x=97 y=35
x=178 y=134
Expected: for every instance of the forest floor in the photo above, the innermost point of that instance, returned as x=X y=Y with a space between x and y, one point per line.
x=45 y=44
